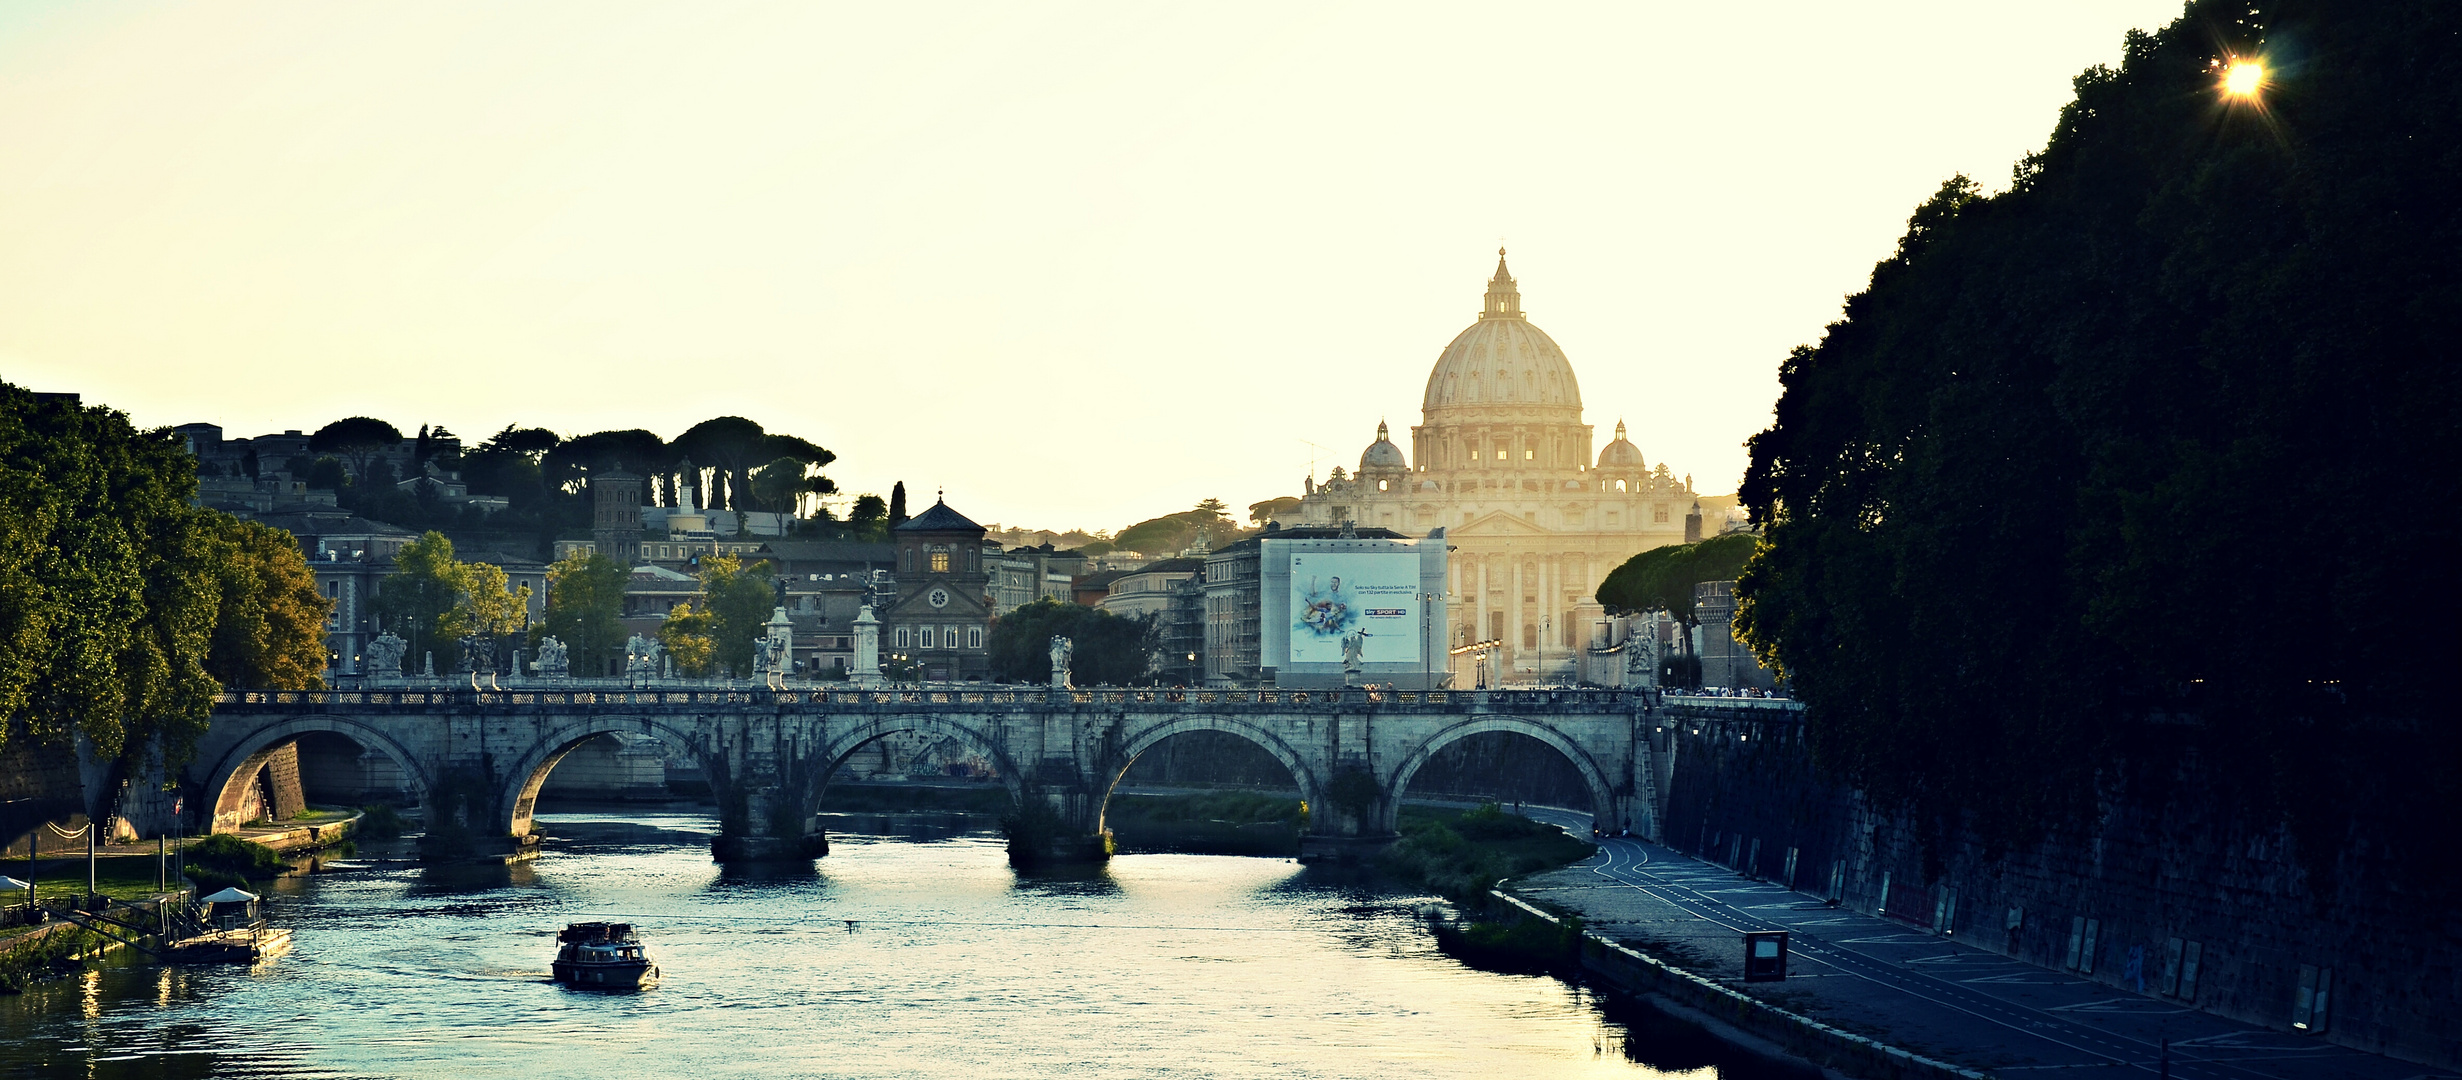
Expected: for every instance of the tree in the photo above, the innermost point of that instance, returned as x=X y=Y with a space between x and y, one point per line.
x=781 y=484
x=1274 y=509
x=490 y=606
x=422 y=598
x=732 y=445
x=507 y=464
x=1172 y=533
x=1111 y=650
x=574 y=460
x=686 y=635
x=269 y=628
x=868 y=519
x=738 y=600
x=358 y=439
x=897 y=504
x=1663 y=578
x=108 y=591
x=2031 y=503
x=585 y=609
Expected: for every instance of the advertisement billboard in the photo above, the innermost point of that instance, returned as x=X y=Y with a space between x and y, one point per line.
x=1343 y=599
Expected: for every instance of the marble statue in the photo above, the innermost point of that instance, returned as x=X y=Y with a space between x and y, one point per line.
x=1063 y=652
x=385 y=655
x=764 y=653
x=554 y=660
x=1353 y=644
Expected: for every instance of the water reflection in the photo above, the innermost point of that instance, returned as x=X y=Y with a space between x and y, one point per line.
x=912 y=949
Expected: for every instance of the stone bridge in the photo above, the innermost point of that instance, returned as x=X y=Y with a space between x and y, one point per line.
x=476 y=758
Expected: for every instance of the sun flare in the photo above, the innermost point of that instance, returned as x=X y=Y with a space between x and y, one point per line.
x=2244 y=78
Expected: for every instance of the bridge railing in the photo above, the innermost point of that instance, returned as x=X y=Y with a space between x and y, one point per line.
x=430 y=697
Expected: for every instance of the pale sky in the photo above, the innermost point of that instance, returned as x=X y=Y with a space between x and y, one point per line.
x=1082 y=264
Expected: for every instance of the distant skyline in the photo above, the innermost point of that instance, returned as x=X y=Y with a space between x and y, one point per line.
x=1077 y=264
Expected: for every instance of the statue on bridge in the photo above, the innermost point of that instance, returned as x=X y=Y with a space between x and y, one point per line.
x=385 y=655
x=554 y=661
x=478 y=658
x=765 y=660
x=640 y=657
x=1063 y=653
x=1354 y=644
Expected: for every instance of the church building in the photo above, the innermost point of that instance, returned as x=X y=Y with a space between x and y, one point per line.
x=943 y=609
x=1502 y=461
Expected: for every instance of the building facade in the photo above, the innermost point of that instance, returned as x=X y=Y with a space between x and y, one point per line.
x=1502 y=461
x=937 y=625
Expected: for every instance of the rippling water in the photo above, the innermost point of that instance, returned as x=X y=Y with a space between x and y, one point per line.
x=910 y=951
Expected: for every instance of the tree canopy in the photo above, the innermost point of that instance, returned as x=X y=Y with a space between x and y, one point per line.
x=269 y=628
x=1111 y=650
x=118 y=599
x=1663 y=577
x=358 y=439
x=2152 y=434
x=585 y=610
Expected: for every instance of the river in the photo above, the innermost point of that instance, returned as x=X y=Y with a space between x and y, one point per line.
x=911 y=950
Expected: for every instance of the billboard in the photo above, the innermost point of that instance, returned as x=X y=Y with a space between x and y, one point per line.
x=1370 y=597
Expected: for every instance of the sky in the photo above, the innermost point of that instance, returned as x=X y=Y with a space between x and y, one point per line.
x=1077 y=264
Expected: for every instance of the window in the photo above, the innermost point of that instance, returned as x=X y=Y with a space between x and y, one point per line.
x=1530 y=455
x=940 y=559
x=901 y=637
x=1659 y=513
x=906 y=560
x=927 y=637
x=974 y=637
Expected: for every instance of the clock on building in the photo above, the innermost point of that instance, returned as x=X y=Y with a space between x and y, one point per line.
x=937 y=598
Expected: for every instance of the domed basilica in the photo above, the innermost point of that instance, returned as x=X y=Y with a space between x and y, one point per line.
x=1502 y=461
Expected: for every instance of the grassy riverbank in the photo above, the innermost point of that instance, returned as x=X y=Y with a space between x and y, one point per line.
x=1208 y=823
x=1461 y=854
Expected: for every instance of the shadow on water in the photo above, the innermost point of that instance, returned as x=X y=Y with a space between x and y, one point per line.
x=1671 y=1043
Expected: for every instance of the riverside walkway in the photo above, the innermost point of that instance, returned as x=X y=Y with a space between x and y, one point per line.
x=1917 y=990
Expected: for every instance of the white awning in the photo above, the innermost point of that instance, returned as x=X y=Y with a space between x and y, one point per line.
x=228 y=896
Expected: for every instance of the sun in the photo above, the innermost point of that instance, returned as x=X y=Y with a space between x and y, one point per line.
x=2244 y=78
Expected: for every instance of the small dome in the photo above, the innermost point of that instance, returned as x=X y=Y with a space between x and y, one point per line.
x=1620 y=454
x=1382 y=454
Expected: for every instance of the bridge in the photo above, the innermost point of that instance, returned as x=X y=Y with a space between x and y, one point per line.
x=476 y=759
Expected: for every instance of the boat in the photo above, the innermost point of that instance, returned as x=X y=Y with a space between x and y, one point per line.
x=603 y=956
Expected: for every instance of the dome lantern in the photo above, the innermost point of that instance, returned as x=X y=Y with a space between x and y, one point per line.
x=1383 y=455
x=1504 y=301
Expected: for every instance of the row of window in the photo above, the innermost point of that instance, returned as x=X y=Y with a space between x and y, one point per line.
x=936 y=637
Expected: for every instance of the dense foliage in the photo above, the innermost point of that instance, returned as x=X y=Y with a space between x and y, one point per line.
x=714 y=634
x=115 y=592
x=269 y=628
x=1111 y=650
x=1662 y=578
x=2140 y=457
x=432 y=600
x=585 y=610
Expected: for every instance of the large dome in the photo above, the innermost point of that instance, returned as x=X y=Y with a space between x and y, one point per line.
x=1502 y=360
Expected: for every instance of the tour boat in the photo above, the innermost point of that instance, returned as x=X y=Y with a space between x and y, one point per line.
x=603 y=956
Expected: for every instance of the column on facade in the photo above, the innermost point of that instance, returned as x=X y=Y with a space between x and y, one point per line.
x=1513 y=631
x=1478 y=628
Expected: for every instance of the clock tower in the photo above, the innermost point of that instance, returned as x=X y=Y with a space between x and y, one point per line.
x=943 y=611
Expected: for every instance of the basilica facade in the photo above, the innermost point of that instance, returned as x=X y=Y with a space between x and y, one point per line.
x=1502 y=461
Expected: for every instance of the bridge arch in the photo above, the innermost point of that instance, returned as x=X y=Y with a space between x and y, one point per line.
x=228 y=777
x=841 y=745
x=1137 y=743
x=528 y=773
x=1603 y=806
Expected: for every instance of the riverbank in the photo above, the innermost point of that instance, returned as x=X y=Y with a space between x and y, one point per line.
x=1868 y=996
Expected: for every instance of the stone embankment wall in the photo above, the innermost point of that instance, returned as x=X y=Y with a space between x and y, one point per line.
x=2167 y=895
x=38 y=783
